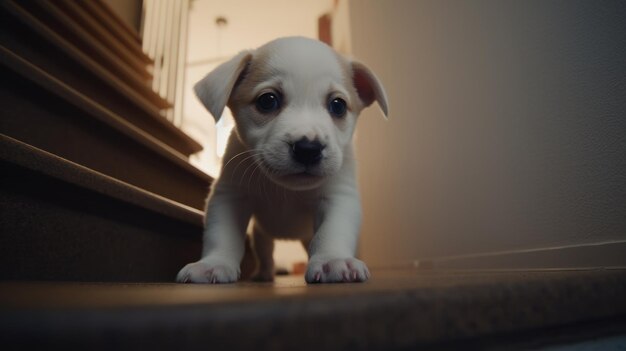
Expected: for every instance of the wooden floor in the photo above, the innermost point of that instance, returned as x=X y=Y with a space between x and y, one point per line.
x=396 y=309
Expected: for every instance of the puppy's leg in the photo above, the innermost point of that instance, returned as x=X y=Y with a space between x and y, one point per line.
x=227 y=217
x=264 y=250
x=333 y=246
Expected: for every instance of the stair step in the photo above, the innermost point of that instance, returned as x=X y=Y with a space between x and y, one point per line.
x=46 y=113
x=109 y=19
x=62 y=221
x=69 y=28
x=96 y=30
x=399 y=309
x=27 y=37
x=34 y=16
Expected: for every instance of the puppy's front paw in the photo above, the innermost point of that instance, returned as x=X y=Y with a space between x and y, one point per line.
x=208 y=272
x=336 y=270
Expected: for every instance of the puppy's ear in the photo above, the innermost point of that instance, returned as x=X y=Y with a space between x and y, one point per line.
x=214 y=89
x=368 y=86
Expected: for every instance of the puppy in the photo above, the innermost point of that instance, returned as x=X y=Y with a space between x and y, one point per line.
x=289 y=164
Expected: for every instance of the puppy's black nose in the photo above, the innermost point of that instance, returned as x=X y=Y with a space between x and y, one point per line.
x=307 y=152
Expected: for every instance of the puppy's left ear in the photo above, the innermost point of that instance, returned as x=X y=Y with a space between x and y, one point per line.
x=368 y=86
x=214 y=89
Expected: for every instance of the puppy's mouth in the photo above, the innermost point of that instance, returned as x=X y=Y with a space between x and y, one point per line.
x=295 y=179
x=300 y=180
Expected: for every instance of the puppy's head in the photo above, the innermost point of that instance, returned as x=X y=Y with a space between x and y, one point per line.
x=295 y=102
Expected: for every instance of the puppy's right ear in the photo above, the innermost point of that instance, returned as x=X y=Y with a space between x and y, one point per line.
x=369 y=87
x=214 y=89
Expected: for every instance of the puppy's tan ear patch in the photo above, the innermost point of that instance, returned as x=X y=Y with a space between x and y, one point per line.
x=215 y=88
x=369 y=87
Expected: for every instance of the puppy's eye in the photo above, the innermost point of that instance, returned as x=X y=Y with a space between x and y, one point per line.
x=337 y=107
x=267 y=103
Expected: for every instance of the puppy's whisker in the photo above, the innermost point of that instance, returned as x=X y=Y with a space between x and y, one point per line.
x=241 y=154
x=256 y=167
x=253 y=163
x=239 y=164
x=248 y=154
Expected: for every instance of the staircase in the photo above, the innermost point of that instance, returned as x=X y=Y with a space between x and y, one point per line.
x=96 y=183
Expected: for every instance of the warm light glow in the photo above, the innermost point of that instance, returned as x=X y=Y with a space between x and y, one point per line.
x=223 y=128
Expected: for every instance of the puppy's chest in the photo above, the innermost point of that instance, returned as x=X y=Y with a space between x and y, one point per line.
x=287 y=216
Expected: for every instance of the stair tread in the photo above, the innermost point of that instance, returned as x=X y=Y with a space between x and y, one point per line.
x=43 y=162
x=139 y=78
x=144 y=116
x=100 y=34
x=58 y=88
x=102 y=8
x=397 y=308
x=145 y=102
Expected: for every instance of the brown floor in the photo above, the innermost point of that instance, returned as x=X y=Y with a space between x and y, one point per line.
x=396 y=309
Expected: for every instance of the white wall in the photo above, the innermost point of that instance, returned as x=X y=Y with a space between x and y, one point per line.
x=507 y=128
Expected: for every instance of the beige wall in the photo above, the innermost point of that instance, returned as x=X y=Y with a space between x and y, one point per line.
x=507 y=128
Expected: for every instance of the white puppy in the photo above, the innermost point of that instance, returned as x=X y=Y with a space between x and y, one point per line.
x=289 y=164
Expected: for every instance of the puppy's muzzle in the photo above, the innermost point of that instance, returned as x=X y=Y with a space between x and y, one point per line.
x=306 y=152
